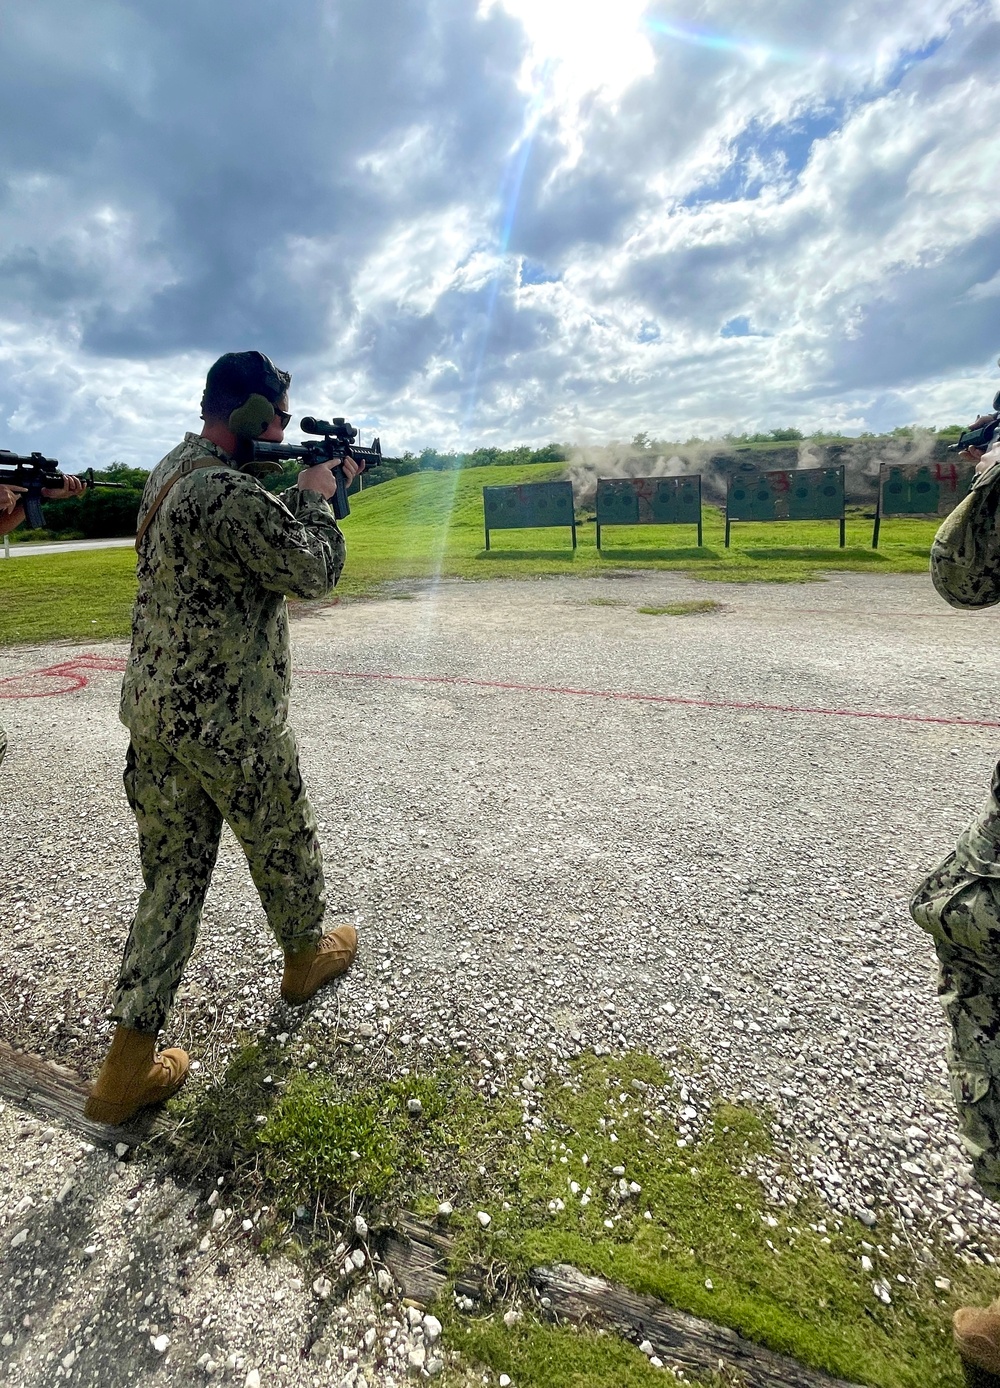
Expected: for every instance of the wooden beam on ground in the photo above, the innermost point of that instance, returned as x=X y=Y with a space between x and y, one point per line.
x=681 y=1341
x=55 y=1092
x=418 y=1256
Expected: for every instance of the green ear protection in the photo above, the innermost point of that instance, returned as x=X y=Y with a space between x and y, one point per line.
x=252 y=417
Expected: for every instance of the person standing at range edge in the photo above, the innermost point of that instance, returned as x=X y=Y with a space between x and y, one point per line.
x=12 y=515
x=959 y=903
x=205 y=698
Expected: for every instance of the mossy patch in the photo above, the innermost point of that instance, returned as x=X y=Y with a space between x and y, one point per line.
x=334 y=1139
x=535 y=1354
x=604 y=1165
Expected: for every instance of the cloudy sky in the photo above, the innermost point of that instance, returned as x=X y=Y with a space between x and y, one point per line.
x=503 y=222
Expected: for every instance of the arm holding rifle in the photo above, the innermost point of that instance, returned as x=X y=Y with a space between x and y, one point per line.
x=12 y=512
x=330 y=463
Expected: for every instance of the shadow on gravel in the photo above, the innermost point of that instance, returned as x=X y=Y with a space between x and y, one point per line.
x=35 y=1270
x=103 y=1347
x=97 y=1326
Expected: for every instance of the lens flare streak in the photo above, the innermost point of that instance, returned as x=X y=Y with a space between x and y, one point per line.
x=510 y=196
x=705 y=38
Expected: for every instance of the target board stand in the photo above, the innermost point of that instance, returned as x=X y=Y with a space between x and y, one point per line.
x=530 y=506
x=920 y=489
x=792 y=495
x=649 y=501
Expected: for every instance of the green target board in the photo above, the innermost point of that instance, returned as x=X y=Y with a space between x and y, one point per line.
x=530 y=506
x=783 y=495
x=648 y=501
x=920 y=489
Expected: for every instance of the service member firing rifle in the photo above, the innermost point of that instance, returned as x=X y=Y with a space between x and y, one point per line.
x=205 y=699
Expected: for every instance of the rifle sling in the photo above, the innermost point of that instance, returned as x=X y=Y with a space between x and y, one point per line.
x=186 y=467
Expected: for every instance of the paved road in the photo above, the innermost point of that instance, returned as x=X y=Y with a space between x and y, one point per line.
x=61 y=546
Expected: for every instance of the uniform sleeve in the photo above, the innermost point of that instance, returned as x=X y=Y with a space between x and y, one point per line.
x=965 y=555
x=291 y=543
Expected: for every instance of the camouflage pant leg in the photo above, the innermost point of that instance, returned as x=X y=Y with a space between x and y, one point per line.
x=179 y=827
x=264 y=802
x=180 y=797
x=3 y=744
x=959 y=905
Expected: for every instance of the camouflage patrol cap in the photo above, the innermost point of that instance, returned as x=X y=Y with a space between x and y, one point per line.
x=235 y=377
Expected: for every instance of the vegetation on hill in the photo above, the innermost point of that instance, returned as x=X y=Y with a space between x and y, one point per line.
x=430 y=526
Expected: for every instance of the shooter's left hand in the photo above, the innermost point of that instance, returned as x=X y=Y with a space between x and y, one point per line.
x=351 y=467
x=72 y=486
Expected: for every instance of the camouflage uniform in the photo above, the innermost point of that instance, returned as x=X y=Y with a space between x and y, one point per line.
x=205 y=698
x=959 y=902
x=3 y=744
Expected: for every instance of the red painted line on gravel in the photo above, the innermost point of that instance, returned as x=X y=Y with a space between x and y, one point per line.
x=73 y=676
x=630 y=696
x=65 y=678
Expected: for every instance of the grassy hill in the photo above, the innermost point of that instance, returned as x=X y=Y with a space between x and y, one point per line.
x=430 y=524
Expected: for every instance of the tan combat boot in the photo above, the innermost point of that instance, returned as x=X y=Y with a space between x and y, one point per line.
x=976 y=1334
x=133 y=1076
x=309 y=969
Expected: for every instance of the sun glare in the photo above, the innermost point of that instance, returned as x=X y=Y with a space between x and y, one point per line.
x=585 y=45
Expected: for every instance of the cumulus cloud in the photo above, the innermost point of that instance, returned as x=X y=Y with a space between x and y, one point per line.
x=502 y=222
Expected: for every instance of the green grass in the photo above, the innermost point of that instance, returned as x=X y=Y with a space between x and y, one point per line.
x=796 y=1287
x=681 y=609
x=538 y=1355
x=698 y=1233
x=430 y=524
x=83 y=596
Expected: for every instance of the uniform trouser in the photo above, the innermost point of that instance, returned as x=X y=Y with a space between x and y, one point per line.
x=180 y=795
x=959 y=905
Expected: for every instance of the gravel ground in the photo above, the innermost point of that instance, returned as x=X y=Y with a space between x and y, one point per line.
x=112 y=1279
x=536 y=870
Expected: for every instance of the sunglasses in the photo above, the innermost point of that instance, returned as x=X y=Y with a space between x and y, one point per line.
x=284 y=416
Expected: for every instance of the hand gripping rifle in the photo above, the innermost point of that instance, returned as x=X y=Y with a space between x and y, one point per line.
x=980 y=435
x=337 y=442
x=35 y=474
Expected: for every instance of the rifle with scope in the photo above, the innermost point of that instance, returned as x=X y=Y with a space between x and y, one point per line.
x=336 y=442
x=36 y=475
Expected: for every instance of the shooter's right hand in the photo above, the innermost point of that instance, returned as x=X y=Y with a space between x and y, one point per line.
x=321 y=479
x=973 y=454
